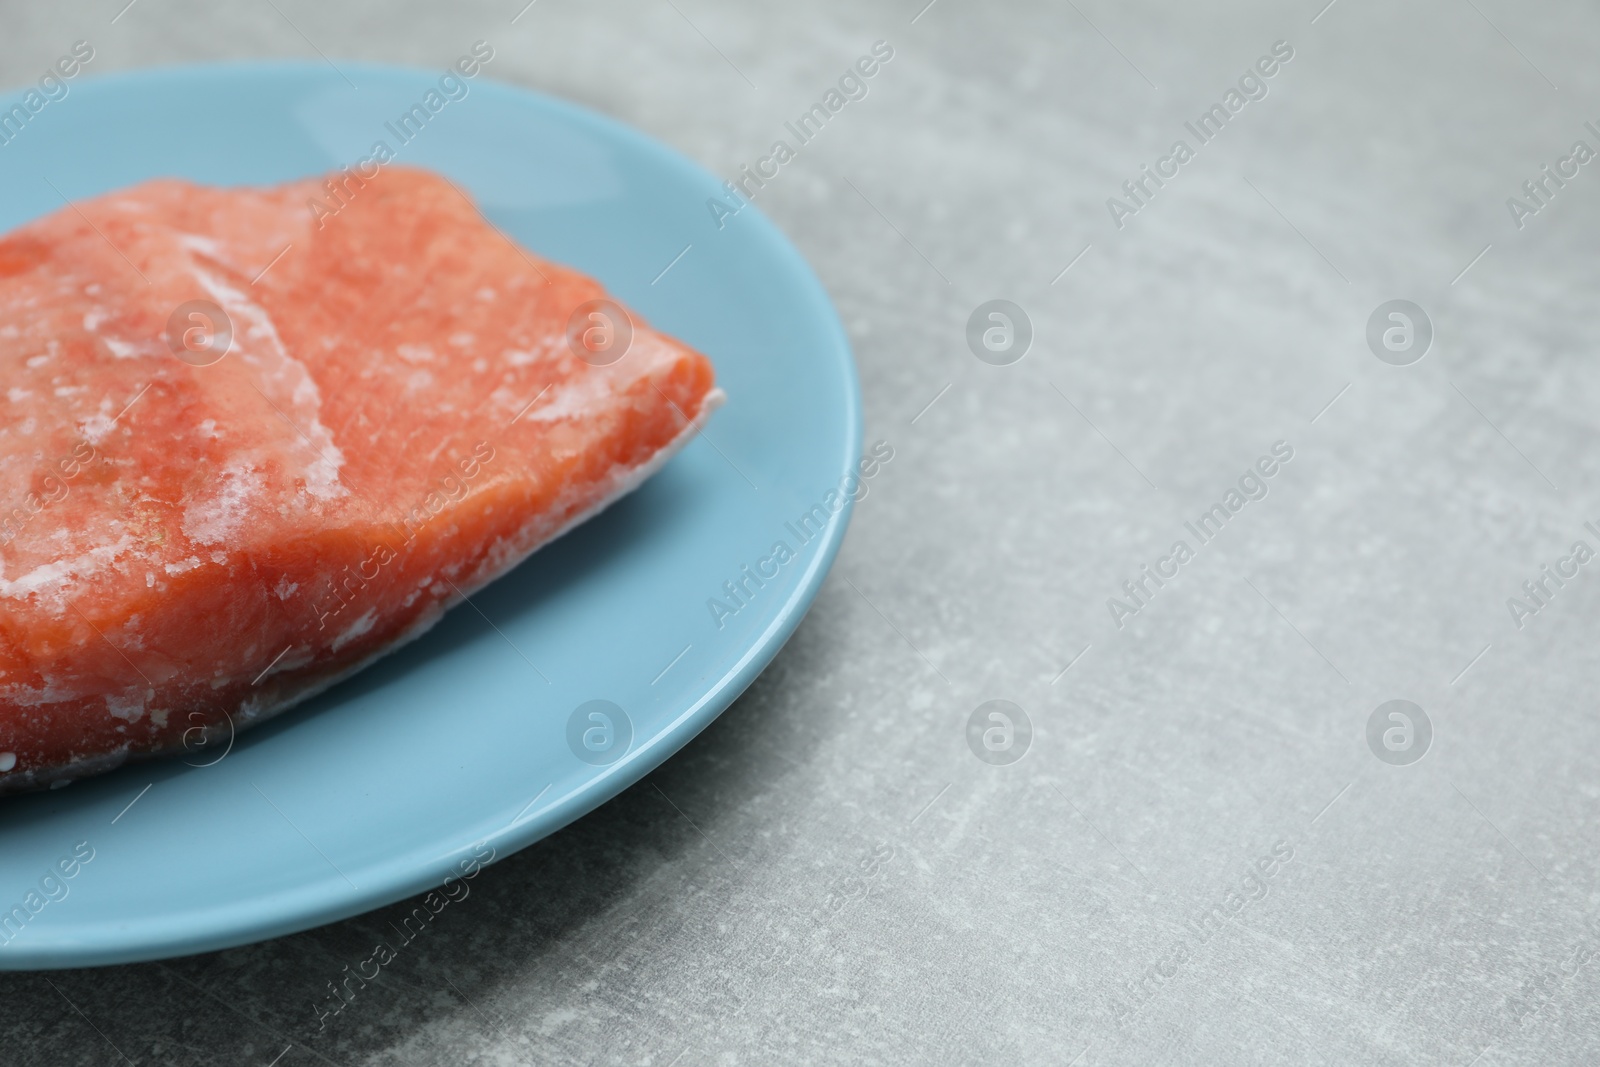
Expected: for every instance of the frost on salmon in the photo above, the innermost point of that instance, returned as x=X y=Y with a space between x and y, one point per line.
x=399 y=418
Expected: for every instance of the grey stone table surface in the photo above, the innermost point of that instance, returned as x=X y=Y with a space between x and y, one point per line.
x=1201 y=858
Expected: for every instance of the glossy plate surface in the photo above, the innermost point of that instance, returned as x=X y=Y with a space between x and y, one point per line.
x=379 y=789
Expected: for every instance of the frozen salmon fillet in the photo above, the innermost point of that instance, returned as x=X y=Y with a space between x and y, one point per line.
x=250 y=444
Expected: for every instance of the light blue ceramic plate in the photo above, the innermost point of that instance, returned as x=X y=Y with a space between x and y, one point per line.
x=379 y=789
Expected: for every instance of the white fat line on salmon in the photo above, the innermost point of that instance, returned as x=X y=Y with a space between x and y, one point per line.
x=341 y=992
x=1252 y=485
x=52 y=887
x=743 y=587
x=255 y=324
x=405 y=128
x=350 y=583
x=1252 y=85
x=1541 y=589
x=852 y=85
x=52 y=87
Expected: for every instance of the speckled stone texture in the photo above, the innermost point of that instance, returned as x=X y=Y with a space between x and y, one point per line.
x=1200 y=859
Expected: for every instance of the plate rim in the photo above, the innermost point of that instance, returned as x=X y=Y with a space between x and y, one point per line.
x=403 y=874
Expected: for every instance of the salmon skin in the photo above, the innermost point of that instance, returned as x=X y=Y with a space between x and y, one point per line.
x=248 y=447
